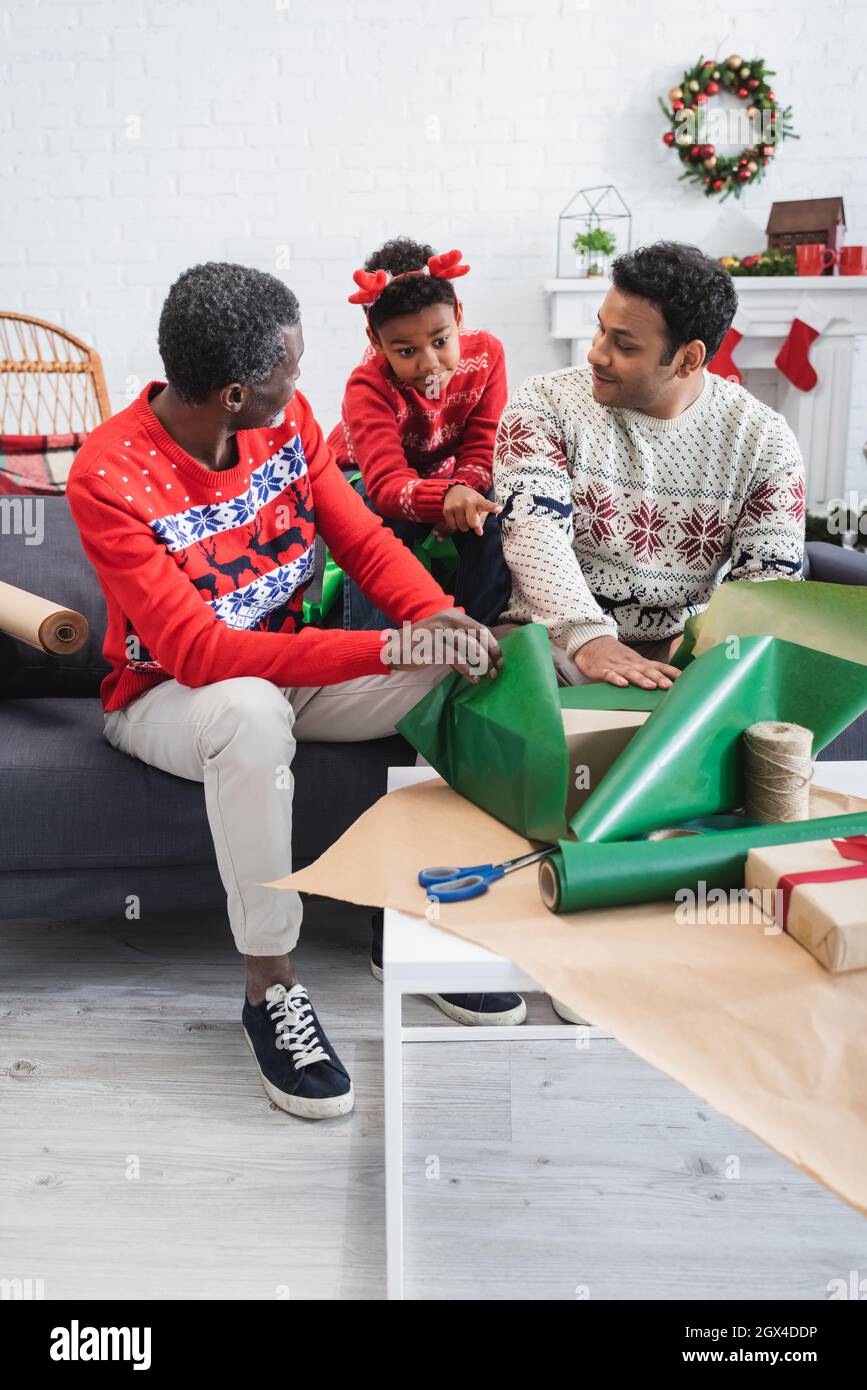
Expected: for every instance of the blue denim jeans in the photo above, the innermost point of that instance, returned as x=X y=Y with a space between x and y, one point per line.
x=482 y=585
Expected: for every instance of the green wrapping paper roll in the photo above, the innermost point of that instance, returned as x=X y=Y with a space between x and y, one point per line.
x=590 y=875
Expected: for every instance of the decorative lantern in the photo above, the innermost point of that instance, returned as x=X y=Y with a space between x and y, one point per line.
x=593 y=225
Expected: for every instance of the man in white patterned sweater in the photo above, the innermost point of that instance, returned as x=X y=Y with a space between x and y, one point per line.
x=630 y=489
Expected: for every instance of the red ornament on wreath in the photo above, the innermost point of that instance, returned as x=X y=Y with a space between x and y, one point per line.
x=687 y=112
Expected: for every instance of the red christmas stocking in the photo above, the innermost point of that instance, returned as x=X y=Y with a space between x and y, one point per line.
x=793 y=359
x=722 y=363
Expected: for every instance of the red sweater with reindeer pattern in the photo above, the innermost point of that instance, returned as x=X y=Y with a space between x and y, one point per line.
x=204 y=571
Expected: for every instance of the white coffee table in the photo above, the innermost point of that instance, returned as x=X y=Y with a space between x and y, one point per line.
x=419 y=958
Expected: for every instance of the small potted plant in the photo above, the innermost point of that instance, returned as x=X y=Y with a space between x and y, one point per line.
x=594 y=247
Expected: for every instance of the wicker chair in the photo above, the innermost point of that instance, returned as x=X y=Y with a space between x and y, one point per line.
x=50 y=382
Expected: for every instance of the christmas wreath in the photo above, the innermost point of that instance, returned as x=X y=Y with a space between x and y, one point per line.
x=688 y=117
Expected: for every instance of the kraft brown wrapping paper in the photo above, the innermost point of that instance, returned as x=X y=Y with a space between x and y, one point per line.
x=41 y=623
x=749 y=1022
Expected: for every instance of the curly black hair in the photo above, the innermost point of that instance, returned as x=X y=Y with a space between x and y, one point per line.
x=409 y=295
x=223 y=323
x=695 y=295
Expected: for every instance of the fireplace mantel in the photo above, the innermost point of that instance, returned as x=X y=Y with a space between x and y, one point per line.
x=819 y=418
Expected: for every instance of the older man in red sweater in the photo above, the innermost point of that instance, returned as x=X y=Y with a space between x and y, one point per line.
x=198 y=505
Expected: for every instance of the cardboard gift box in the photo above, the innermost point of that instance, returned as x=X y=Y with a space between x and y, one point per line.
x=595 y=738
x=819 y=896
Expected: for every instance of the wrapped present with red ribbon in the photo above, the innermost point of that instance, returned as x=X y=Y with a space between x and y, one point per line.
x=817 y=892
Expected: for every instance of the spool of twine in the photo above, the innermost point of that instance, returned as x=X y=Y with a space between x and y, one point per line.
x=778 y=767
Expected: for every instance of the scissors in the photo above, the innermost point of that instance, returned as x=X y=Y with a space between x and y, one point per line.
x=453 y=885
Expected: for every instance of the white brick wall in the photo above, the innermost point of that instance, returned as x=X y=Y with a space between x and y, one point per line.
x=138 y=138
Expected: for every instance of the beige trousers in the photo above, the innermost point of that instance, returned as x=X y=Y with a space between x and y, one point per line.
x=238 y=737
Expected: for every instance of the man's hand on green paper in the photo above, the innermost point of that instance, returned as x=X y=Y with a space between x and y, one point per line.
x=607 y=659
x=448 y=638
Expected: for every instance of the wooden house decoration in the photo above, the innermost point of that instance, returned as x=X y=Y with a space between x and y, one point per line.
x=803 y=221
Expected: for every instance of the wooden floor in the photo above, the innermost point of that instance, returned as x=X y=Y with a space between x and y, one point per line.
x=139 y=1157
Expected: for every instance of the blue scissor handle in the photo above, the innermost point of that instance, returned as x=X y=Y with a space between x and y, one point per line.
x=469 y=885
x=442 y=873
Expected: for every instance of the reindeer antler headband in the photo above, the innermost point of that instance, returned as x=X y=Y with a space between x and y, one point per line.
x=372 y=283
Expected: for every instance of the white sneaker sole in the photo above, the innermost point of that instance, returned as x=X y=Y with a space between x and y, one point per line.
x=568 y=1015
x=454 y=1011
x=471 y=1019
x=303 y=1106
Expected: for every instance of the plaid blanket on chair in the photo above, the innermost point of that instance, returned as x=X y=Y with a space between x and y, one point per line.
x=37 y=464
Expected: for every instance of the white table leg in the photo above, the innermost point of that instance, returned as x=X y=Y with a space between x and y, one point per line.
x=392 y=1046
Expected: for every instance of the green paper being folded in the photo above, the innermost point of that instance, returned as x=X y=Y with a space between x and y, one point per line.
x=685 y=760
x=580 y=876
x=501 y=743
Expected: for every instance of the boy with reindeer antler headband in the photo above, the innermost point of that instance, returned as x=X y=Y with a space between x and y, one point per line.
x=419 y=420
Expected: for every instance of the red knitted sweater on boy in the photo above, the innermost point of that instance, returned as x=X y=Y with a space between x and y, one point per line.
x=203 y=571
x=411 y=450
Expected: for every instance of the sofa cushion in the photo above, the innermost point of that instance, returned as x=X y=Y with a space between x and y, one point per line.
x=74 y=801
x=834 y=564
x=40 y=550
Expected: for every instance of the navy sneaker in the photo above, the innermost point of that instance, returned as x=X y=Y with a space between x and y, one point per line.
x=495 y=1010
x=299 y=1068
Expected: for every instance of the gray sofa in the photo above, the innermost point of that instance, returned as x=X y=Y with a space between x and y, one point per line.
x=85 y=826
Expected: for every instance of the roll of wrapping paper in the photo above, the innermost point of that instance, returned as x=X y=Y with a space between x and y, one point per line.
x=589 y=875
x=40 y=623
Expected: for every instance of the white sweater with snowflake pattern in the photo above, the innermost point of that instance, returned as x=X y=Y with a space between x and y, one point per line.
x=616 y=523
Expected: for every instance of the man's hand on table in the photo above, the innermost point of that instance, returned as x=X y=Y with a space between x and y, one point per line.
x=448 y=638
x=607 y=659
